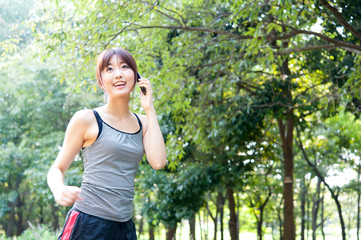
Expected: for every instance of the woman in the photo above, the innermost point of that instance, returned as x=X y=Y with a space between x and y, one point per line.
x=112 y=140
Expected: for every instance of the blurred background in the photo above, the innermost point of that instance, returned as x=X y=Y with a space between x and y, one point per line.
x=258 y=100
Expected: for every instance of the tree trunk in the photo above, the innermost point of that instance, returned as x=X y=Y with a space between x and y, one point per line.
x=221 y=215
x=315 y=207
x=334 y=195
x=280 y=219
x=259 y=230
x=19 y=222
x=233 y=218
x=215 y=218
x=308 y=216
x=303 y=209
x=258 y=210
x=323 y=215
x=171 y=233
x=200 y=225
x=358 y=200
x=237 y=212
x=13 y=224
x=19 y=212
x=206 y=223
x=192 y=227
x=339 y=210
x=261 y=211
x=286 y=132
x=140 y=228
x=55 y=217
x=219 y=208
x=41 y=219
x=151 y=232
x=29 y=213
x=11 y=221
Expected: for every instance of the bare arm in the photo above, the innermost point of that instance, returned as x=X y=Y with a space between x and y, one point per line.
x=154 y=146
x=73 y=141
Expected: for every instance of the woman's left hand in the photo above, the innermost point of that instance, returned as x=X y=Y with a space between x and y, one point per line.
x=146 y=101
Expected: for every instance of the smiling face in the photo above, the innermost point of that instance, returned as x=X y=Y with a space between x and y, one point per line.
x=117 y=77
x=116 y=71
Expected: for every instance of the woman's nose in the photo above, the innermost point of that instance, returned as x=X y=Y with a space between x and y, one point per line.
x=118 y=73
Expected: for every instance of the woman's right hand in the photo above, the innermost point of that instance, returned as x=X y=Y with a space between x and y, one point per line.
x=67 y=195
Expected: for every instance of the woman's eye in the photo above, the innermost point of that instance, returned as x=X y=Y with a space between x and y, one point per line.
x=125 y=66
x=109 y=68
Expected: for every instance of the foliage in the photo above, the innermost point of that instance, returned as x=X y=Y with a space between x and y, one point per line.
x=176 y=196
x=41 y=232
x=224 y=73
x=35 y=110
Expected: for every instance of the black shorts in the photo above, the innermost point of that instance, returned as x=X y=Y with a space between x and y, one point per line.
x=82 y=226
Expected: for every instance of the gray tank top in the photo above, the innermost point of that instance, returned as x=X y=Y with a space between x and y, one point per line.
x=110 y=166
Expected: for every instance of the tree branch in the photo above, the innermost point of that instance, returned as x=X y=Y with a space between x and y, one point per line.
x=253 y=207
x=308 y=48
x=270 y=105
x=183 y=20
x=210 y=213
x=306 y=90
x=235 y=15
x=344 y=45
x=313 y=100
x=130 y=24
x=335 y=41
x=168 y=16
x=341 y=18
x=286 y=36
x=202 y=29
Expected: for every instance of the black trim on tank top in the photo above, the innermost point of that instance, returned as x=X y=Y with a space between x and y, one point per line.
x=140 y=123
x=99 y=121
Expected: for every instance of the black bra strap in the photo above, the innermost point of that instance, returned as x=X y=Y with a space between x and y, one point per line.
x=99 y=121
x=140 y=123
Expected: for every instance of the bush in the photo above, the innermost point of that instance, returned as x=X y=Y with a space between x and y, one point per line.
x=40 y=232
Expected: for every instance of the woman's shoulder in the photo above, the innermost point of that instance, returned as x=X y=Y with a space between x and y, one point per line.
x=144 y=121
x=84 y=116
x=142 y=117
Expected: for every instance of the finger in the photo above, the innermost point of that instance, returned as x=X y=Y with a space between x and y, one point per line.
x=145 y=81
x=73 y=190
x=70 y=195
x=73 y=194
x=68 y=201
x=145 y=85
x=65 y=202
x=76 y=193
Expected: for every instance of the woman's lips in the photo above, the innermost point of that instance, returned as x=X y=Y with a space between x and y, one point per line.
x=119 y=84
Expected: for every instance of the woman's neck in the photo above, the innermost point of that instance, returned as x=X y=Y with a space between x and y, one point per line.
x=118 y=107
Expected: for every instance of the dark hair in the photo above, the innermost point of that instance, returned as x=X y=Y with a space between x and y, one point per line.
x=104 y=59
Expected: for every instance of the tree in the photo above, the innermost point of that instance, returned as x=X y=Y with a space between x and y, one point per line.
x=335 y=146
x=229 y=58
x=173 y=197
x=35 y=108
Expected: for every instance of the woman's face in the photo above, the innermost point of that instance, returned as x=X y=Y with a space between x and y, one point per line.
x=117 y=78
